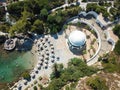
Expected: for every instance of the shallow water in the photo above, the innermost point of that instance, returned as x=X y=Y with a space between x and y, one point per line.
x=12 y=64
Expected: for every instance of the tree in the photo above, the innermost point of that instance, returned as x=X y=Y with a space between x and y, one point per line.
x=84 y=0
x=2 y=13
x=35 y=88
x=113 y=11
x=51 y=18
x=117 y=48
x=116 y=30
x=117 y=6
x=16 y=8
x=76 y=69
x=112 y=64
x=97 y=83
x=21 y=26
x=44 y=13
x=58 y=19
x=42 y=3
x=2 y=39
x=27 y=15
x=26 y=75
x=56 y=72
x=38 y=27
x=4 y=28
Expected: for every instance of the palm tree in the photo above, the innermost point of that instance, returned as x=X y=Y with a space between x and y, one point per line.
x=55 y=70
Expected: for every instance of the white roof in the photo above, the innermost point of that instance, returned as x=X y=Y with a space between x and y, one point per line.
x=77 y=38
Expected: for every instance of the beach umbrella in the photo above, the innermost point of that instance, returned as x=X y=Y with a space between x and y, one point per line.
x=25 y=82
x=32 y=75
x=46 y=61
x=41 y=39
x=52 y=47
x=51 y=44
x=42 y=55
x=48 y=42
x=46 y=58
x=46 y=65
x=45 y=45
x=36 y=72
x=52 y=60
x=47 y=53
x=40 y=62
x=46 y=49
x=19 y=86
x=52 y=51
x=52 y=56
x=58 y=58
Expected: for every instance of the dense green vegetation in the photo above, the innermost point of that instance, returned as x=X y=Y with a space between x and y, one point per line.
x=117 y=6
x=4 y=27
x=33 y=6
x=58 y=18
x=2 y=13
x=117 y=48
x=97 y=83
x=98 y=9
x=104 y=3
x=62 y=76
x=26 y=75
x=115 y=11
x=116 y=30
x=35 y=88
x=111 y=63
x=36 y=17
x=84 y=0
x=2 y=39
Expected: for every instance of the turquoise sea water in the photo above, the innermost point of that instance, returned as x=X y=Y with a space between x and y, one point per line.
x=12 y=64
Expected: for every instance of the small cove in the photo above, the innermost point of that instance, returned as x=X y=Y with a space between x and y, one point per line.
x=13 y=63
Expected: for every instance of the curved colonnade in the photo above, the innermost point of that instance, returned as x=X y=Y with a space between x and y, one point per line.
x=75 y=20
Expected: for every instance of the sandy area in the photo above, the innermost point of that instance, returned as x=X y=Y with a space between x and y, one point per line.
x=61 y=50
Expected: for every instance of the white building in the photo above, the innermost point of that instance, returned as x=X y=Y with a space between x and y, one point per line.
x=77 y=40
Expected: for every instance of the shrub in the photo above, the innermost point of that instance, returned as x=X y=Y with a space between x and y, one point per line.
x=76 y=69
x=116 y=30
x=35 y=88
x=2 y=39
x=117 y=48
x=97 y=83
x=84 y=0
x=112 y=63
x=26 y=75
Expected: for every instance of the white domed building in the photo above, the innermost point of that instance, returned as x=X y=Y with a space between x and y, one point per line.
x=77 y=40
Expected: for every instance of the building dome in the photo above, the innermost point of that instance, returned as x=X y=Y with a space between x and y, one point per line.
x=77 y=38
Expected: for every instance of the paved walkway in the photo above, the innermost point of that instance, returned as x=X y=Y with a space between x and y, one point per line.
x=62 y=50
x=105 y=46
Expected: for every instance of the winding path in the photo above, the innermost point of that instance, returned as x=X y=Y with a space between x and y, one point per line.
x=104 y=45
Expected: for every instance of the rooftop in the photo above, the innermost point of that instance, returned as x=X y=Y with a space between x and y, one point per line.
x=77 y=38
